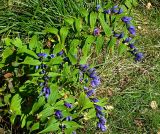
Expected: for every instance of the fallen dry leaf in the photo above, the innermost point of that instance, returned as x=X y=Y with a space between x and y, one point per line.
x=153 y=105
x=8 y=75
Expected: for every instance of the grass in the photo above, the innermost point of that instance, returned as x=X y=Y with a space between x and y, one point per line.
x=132 y=87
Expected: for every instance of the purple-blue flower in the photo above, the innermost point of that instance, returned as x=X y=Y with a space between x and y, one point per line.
x=121 y=35
x=68 y=118
x=120 y=11
x=95 y=100
x=68 y=105
x=138 y=56
x=86 y=88
x=98 y=7
x=52 y=55
x=126 y=19
x=131 y=45
x=58 y=114
x=42 y=55
x=101 y=126
x=84 y=67
x=127 y=40
x=98 y=108
x=43 y=72
x=37 y=67
x=60 y=53
x=132 y=30
x=74 y=132
x=114 y=9
x=116 y=35
x=96 y=31
x=90 y=92
x=102 y=120
x=95 y=82
x=107 y=11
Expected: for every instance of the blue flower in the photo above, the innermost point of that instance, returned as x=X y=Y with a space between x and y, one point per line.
x=121 y=35
x=96 y=31
x=138 y=56
x=68 y=118
x=101 y=126
x=93 y=75
x=132 y=30
x=116 y=35
x=85 y=88
x=98 y=7
x=95 y=82
x=98 y=108
x=84 y=67
x=46 y=91
x=91 y=70
x=37 y=67
x=107 y=11
x=60 y=53
x=114 y=9
x=102 y=120
x=43 y=72
x=74 y=132
x=52 y=55
x=120 y=11
x=90 y=92
x=43 y=66
x=58 y=114
x=42 y=55
x=95 y=100
x=131 y=46
x=126 y=19
x=127 y=40
x=68 y=105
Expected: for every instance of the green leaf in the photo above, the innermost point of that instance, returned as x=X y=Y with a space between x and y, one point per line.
x=84 y=59
x=31 y=61
x=51 y=128
x=122 y=48
x=35 y=126
x=63 y=34
x=84 y=101
x=69 y=20
x=78 y=24
x=84 y=13
x=37 y=105
x=27 y=51
x=52 y=30
x=56 y=60
x=99 y=44
x=8 y=41
x=70 y=126
x=7 y=52
x=90 y=39
x=112 y=43
x=12 y=118
x=104 y=24
x=6 y=98
x=33 y=42
x=58 y=47
x=46 y=113
x=128 y=4
x=23 y=121
x=53 y=74
x=17 y=42
x=54 y=95
x=92 y=20
x=15 y=106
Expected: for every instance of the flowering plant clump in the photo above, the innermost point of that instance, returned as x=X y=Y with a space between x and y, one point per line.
x=52 y=88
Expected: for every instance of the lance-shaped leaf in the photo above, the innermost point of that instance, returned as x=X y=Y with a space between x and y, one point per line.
x=63 y=34
x=104 y=24
x=92 y=20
